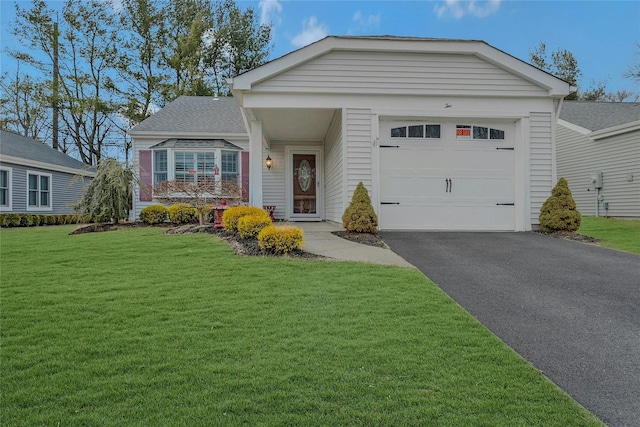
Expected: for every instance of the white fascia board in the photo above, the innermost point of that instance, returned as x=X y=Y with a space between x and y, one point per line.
x=573 y=127
x=47 y=166
x=616 y=130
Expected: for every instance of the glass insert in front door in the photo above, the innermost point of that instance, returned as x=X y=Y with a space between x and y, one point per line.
x=304 y=184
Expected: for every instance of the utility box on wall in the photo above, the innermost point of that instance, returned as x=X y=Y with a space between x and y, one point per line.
x=596 y=179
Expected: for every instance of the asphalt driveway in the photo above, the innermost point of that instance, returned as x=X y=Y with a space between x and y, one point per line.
x=571 y=309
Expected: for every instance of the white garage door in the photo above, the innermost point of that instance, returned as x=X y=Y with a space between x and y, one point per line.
x=447 y=176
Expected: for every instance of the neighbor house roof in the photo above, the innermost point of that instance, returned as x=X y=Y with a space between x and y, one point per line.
x=26 y=151
x=195 y=114
x=595 y=116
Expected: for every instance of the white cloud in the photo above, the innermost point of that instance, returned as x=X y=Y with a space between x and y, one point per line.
x=366 y=21
x=269 y=10
x=312 y=31
x=458 y=8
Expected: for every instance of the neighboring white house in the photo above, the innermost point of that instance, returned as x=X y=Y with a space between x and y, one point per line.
x=601 y=137
x=445 y=134
x=35 y=178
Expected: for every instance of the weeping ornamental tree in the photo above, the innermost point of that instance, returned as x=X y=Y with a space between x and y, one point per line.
x=559 y=213
x=108 y=196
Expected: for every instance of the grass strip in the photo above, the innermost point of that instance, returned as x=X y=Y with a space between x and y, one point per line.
x=620 y=234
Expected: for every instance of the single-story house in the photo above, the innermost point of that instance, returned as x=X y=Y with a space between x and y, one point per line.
x=445 y=134
x=35 y=178
x=604 y=137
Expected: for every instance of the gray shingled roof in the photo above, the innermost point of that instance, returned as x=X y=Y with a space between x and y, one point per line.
x=599 y=115
x=202 y=114
x=15 y=145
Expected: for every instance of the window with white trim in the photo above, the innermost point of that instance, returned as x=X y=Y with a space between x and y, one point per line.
x=478 y=132
x=5 y=188
x=229 y=165
x=424 y=131
x=160 y=166
x=38 y=191
x=191 y=166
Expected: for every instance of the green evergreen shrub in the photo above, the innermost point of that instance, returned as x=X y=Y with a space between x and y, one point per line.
x=26 y=220
x=249 y=226
x=233 y=214
x=559 y=212
x=182 y=213
x=13 y=220
x=360 y=217
x=154 y=214
x=3 y=220
x=280 y=239
x=52 y=219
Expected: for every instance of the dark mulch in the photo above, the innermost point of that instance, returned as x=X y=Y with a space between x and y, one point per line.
x=108 y=226
x=572 y=236
x=362 y=238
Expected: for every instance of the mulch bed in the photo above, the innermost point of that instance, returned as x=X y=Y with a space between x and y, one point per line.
x=572 y=236
x=362 y=238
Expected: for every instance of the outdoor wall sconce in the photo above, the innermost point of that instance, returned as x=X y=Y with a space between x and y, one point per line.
x=268 y=162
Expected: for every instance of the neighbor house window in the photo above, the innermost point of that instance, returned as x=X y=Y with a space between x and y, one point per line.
x=160 y=166
x=417 y=131
x=38 y=191
x=194 y=166
x=5 y=188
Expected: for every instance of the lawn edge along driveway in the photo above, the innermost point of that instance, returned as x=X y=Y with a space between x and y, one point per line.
x=571 y=309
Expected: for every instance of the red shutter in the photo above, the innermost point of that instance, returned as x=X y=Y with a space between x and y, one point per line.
x=146 y=179
x=245 y=175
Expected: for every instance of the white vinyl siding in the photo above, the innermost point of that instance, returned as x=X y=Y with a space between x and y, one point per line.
x=541 y=173
x=618 y=157
x=274 y=179
x=334 y=171
x=358 y=149
x=398 y=73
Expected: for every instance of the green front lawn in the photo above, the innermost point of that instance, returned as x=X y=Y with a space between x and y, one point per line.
x=613 y=233
x=138 y=328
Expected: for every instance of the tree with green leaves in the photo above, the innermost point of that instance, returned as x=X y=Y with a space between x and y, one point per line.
x=561 y=64
x=107 y=198
x=236 y=43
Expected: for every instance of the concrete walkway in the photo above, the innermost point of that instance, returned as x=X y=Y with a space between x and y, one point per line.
x=319 y=240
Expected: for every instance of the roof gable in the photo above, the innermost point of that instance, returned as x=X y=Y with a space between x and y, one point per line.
x=550 y=85
x=195 y=115
x=16 y=148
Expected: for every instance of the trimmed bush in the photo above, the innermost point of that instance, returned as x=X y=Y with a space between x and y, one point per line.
x=154 y=214
x=280 y=239
x=559 y=212
x=360 y=217
x=183 y=213
x=3 y=220
x=209 y=213
x=233 y=214
x=249 y=226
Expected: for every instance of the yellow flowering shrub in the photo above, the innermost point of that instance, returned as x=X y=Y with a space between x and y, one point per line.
x=233 y=214
x=250 y=225
x=280 y=239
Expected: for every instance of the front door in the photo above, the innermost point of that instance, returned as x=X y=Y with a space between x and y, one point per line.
x=304 y=178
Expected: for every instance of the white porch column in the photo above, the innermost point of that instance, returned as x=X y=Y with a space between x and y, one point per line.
x=255 y=164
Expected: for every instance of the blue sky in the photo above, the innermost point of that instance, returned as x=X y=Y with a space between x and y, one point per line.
x=602 y=35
